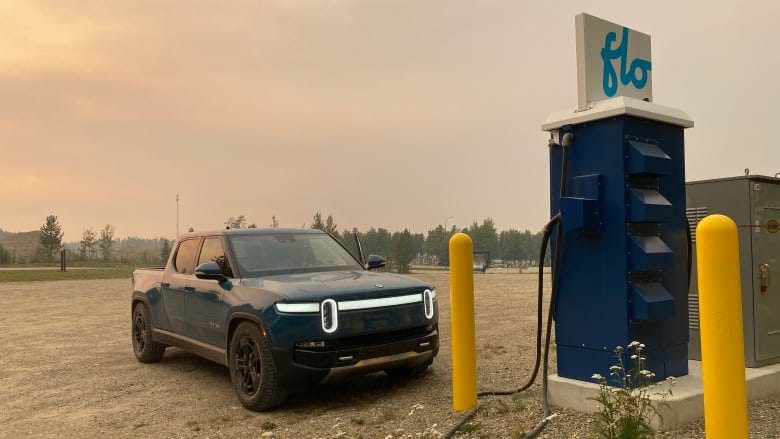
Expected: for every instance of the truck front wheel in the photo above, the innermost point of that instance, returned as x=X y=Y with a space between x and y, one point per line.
x=146 y=350
x=252 y=369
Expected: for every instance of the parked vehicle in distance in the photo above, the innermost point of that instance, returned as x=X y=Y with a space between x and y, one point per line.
x=282 y=308
x=498 y=263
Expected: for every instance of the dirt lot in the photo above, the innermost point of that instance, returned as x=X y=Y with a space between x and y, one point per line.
x=68 y=370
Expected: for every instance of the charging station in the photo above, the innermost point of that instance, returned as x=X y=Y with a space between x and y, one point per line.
x=617 y=178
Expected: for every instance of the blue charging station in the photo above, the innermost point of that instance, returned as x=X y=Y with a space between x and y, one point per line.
x=622 y=272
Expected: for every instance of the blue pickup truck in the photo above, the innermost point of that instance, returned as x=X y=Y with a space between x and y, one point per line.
x=282 y=309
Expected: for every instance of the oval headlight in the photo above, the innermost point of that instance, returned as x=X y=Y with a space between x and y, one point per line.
x=329 y=315
x=428 y=303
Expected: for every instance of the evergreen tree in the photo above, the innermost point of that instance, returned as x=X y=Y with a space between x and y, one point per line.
x=106 y=241
x=485 y=237
x=87 y=244
x=403 y=251
x=436 y=243
x=50 y=239
x=238 y=222
x=317 y=222
x=331 y=226
x=5 y=256
x=165 y=249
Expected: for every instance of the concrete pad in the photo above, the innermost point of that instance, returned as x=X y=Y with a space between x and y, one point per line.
x=686 y=404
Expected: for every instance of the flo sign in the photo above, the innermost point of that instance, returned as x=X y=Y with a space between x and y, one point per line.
x=612 y=60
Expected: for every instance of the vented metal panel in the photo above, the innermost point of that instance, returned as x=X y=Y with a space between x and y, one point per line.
x=693 y=311
x=695 y=214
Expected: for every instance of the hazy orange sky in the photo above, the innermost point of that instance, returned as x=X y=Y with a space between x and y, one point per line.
x=383 y=113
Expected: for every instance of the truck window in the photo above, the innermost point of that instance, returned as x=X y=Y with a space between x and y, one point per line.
x=185 y=256
x=212 y=250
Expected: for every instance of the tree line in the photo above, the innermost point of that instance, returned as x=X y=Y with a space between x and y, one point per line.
x=404 y=248
x=101 y=246
x=401 y=248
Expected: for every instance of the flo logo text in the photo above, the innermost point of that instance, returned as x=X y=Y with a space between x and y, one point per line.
x=635 y=73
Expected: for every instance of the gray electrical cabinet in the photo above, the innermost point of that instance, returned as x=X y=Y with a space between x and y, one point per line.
x=753 y=202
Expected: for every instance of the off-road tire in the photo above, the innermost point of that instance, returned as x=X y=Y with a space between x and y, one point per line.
x=145 y=349
x=252 y=369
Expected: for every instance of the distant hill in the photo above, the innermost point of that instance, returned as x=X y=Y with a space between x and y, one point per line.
x=20 y=245
x=133 y=250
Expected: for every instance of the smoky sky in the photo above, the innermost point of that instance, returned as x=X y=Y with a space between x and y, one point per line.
x=394 y=114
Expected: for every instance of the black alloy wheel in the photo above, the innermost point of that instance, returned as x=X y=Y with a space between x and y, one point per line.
x=252 y=369
x=145 y=349
x=248 y=367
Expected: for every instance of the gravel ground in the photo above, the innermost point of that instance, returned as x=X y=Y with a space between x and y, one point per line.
x=68 y=370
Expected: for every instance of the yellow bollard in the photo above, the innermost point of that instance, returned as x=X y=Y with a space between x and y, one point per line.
x=720 y=319
x=464 y=345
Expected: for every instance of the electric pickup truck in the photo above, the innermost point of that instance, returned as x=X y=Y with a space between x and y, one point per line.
x=283 y=309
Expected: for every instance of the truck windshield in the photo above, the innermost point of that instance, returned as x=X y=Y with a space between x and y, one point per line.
x=273 y=253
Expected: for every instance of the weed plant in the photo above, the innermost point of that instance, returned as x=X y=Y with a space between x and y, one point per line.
x=627 y=411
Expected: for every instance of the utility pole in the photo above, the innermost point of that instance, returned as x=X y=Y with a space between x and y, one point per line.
x=446 y=242
x=177 y=216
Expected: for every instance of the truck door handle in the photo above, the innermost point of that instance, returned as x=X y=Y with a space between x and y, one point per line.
x=189 y=288
x=165 y=284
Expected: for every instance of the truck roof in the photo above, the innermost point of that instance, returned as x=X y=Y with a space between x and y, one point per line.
x=264 y=231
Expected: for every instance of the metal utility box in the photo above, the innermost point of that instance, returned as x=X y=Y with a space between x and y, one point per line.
x=624 y=249
x=753 y=202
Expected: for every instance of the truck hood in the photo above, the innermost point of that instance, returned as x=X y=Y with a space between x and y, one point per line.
x=340 y=285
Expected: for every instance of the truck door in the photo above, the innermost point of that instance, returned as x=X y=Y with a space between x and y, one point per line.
x=175 y=281
x=206 y=313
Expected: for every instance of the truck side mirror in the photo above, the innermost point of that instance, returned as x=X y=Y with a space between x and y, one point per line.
x=375 y=261
x=210 y=271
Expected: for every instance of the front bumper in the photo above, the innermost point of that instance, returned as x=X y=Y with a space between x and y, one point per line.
x=299 y=368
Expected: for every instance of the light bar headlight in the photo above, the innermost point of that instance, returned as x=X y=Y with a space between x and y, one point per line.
x=297 y=308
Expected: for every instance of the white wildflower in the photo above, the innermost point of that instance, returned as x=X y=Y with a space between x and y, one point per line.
x=634 y=357
x=416 y=407
x=596 y=377
x=634 y=344
x=646 y=373
x=615 y=368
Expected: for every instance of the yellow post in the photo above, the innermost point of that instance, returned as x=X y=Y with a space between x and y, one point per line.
x=464 y=345
x=720 y=319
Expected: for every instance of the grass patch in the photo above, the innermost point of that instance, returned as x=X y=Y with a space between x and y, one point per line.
x=471 y=427
x=219 y=421
x=72 y=274
x=193 y=425
x=517 y=399
x=358 y=421
x=388 y=413
x=268 y=425
x=517 y=405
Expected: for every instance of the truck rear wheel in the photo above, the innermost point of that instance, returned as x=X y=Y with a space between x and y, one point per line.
x=146 y=350
x=252 y=369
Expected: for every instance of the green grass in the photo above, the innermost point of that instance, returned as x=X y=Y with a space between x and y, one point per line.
x=471 y=427
x=71 y=274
